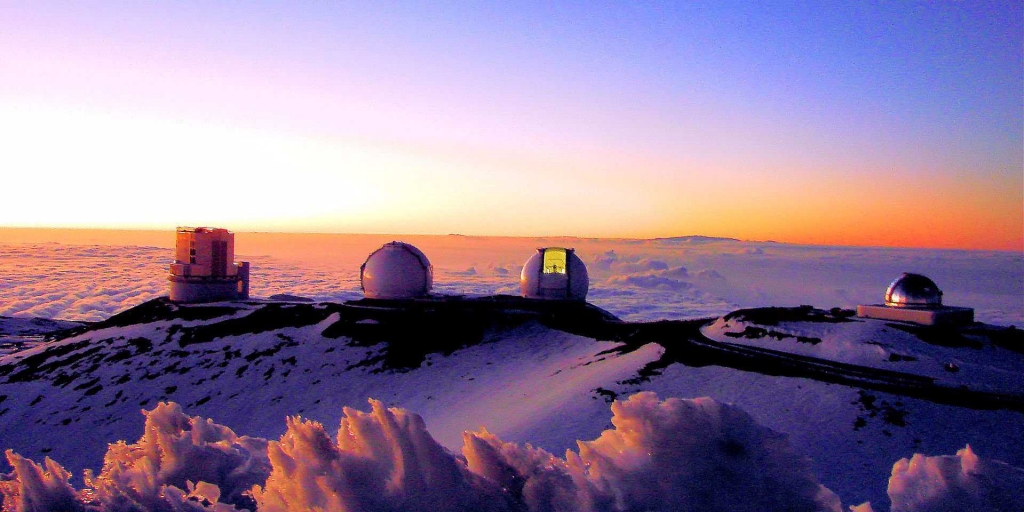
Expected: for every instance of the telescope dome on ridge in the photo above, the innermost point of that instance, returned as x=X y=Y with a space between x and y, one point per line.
x=396 y=271
x=913 y=291
x=555 y=273
x=916 y=299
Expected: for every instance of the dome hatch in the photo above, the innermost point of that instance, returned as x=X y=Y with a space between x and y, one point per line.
x=555 y=273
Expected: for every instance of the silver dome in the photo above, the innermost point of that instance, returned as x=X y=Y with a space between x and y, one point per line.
x=913 y=291
x=396 y=271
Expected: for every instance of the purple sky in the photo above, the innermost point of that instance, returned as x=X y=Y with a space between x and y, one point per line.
x=804 y=122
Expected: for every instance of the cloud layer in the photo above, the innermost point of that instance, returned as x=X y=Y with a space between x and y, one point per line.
x=634 y=279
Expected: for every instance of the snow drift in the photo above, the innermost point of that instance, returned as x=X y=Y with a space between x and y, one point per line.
x=176 y=452
x=661 y=455
x=955 y=482
x=670 y=455
x=675 y=455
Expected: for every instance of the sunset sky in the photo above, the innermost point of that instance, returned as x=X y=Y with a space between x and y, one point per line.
x=898 y=124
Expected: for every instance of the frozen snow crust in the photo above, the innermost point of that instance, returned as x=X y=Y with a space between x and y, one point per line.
x=974 y=357
x=529 y=371
x=659 y=456
x=20 y=333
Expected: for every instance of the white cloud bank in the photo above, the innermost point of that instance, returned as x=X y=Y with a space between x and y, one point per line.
x=661 y=455
x=637 y=280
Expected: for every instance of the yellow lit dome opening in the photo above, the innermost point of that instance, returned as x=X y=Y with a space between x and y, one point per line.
x=555 y=273
x=554 y=260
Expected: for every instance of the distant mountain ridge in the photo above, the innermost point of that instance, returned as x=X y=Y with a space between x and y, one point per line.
x=696 y=239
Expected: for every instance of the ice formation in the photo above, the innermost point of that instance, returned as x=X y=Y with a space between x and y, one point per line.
x=176 y=449
x=181 y=462
x=381 y=460
x=32 y=487
x=674 y=455
x=661 y=455
x=955 y=482
x=952 y=483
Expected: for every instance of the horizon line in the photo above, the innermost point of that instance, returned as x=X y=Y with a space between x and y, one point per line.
x=580 y=237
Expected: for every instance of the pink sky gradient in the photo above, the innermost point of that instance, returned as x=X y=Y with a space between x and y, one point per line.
x=848 y=124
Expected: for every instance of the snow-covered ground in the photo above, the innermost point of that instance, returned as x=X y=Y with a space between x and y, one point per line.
x=950 y=357
x=249 y=367
x=22 y=333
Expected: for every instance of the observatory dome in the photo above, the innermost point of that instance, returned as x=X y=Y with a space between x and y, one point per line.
x=913 y=291
x=555 y=273
x=396 y=271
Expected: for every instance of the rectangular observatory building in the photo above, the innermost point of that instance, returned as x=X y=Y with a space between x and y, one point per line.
x=204 y=267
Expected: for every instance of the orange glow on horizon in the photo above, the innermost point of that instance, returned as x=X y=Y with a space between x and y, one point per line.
x=249 y=180
x=267 y=241
x=502 y=121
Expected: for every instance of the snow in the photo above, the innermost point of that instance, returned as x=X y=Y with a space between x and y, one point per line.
x=31 y=487
x=514 y=379
x=176 y=449
x=886 y=345
x=23 y=333
x=659 y=456
x=950 y=483
x=662 y=454
x=251 y=366
x=955 y=482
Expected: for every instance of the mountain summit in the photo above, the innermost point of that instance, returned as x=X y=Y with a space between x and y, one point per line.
x=851 y=394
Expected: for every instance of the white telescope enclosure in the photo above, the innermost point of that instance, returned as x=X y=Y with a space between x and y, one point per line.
x=555 y=273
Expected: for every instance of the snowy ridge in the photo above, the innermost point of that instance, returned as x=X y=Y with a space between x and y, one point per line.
x=975 y=357
x=527 y=371
x=21 y=333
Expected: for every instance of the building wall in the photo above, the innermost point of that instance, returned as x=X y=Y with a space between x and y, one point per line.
x=204 y=252
x=243 y=280
x=943 y=315
x=204 y=268
x=181 y=246
x=190 y=290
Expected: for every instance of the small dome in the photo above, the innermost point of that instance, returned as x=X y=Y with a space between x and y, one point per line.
x=914 y=291
x=396 y=271
x=555 y=273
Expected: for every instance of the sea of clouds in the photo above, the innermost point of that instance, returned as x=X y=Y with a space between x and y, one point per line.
x=661 y=455
x=690 y=277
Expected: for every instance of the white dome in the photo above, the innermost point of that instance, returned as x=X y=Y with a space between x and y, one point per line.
x=913 y=290
x=396 y=271
x=555 y=273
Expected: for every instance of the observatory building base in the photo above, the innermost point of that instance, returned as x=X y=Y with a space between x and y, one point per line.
x=207 y=290
x=943 y=315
